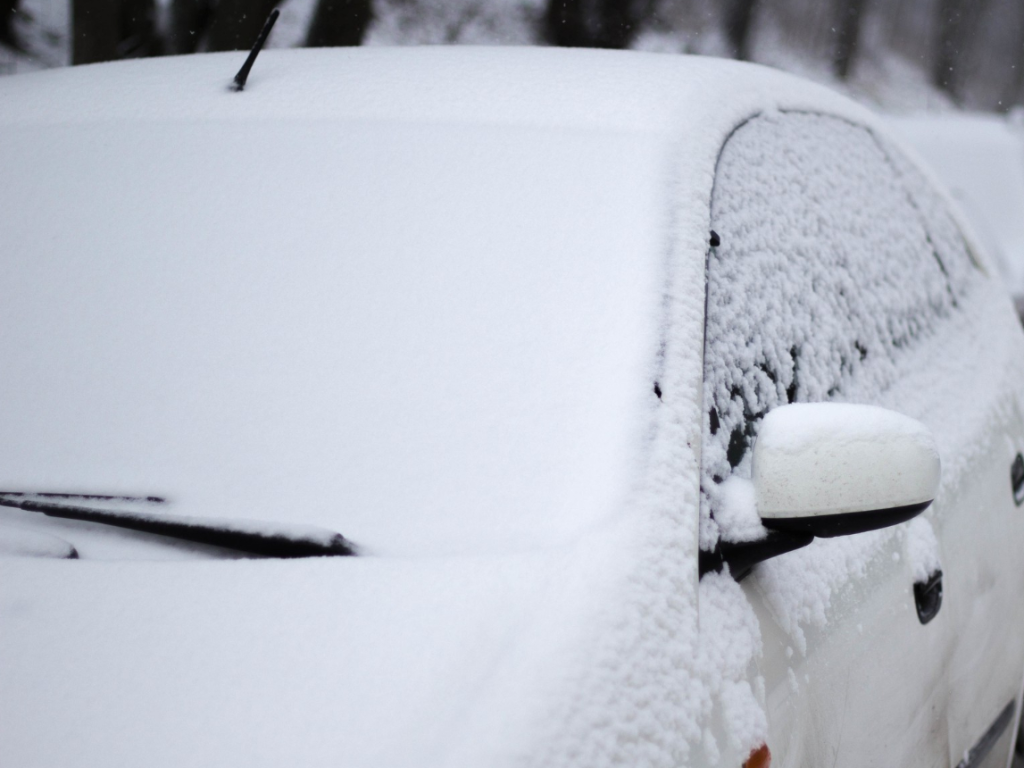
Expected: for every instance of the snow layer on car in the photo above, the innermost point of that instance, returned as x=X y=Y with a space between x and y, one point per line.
x=922 y=549
x=980 y=357
x=824 y=276
x=981 y=159
x=899 y=308
x=573 y=644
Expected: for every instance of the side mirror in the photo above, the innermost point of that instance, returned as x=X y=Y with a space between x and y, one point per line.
x=832 y=469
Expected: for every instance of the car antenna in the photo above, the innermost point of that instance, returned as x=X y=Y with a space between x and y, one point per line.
x=243 y=73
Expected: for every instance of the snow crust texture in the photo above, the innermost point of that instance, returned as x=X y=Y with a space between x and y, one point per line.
x=737 y=510
x=825 y=274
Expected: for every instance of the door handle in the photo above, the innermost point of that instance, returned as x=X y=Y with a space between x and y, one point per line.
x=1017 y=479
x=928 y=597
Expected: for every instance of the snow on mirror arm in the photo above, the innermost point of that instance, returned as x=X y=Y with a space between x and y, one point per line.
x=832 y=469
x=247 y=537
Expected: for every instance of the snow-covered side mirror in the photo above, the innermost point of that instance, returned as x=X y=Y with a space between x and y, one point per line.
x=831 y=469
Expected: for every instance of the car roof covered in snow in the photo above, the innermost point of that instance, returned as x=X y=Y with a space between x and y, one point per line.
x=511 y=86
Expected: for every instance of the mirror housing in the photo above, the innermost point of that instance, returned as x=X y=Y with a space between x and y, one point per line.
x=832 y=469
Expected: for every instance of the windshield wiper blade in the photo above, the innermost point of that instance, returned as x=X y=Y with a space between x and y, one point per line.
x=251 y=538
x=85 y=496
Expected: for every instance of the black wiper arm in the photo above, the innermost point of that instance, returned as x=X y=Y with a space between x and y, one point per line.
x=240 y=536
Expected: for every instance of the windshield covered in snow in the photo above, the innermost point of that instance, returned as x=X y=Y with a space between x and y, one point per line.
x=429 y=337
x=835 y=258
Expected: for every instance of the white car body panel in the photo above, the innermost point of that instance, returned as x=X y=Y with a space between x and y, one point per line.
x=875 y=652
x=980 y=158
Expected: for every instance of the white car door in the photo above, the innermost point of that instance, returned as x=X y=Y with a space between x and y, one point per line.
x=836 y=273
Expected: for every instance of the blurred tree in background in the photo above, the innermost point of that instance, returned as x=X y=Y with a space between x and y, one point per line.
x=234 y=25
x=847 y=29
x=7 y=36
x=103 y=30
x=113 y=29
x=189 y=21
x=339 y=22
x=957 y=23
x=737 y=27
x=215 y=25
x=594 y=23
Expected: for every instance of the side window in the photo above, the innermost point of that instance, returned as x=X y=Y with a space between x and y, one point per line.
x=943 y=233
x=825 y=272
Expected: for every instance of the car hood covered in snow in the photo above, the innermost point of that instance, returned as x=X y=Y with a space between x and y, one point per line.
x=418 y=297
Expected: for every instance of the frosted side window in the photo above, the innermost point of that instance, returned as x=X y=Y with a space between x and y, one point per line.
x=824 y=273
x=944 y=233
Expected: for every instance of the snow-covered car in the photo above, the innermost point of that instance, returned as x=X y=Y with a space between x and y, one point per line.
x=639 y=410
x=980 y=158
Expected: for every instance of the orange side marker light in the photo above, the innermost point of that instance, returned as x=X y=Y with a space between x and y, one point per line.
x=759 y=758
